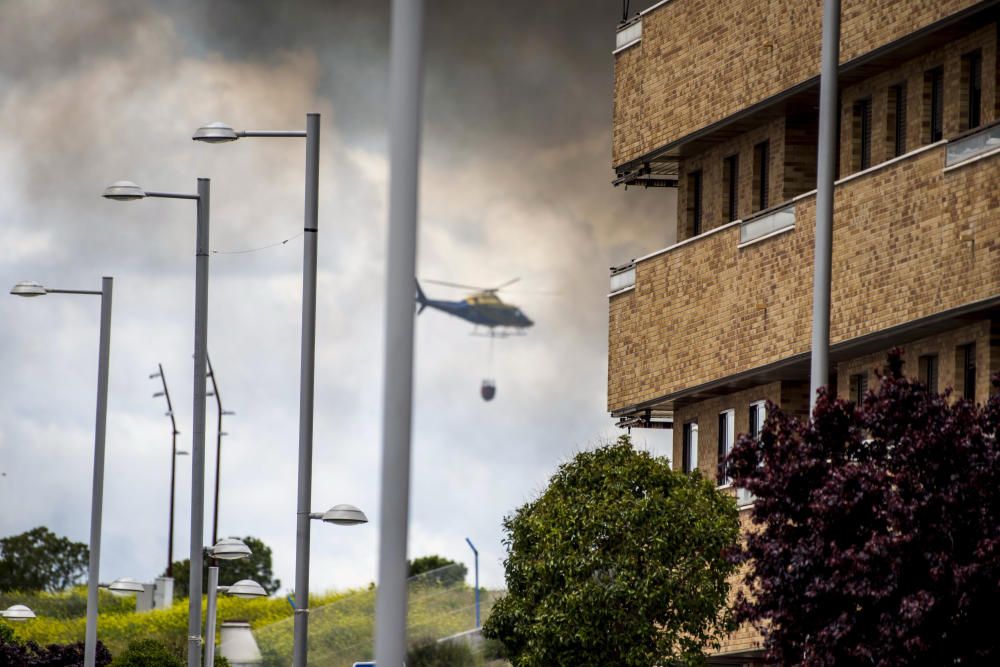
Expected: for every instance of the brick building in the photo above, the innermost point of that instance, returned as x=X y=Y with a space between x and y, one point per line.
x=719 y=99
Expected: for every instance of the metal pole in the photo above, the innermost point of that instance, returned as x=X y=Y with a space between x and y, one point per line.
x=306 y=385
x=405 y=86
x=476 y=554
x=173 y=472
x=97 y=497
x=213 y=596
x=218 y=449
x=198 y=425
x=819 y=372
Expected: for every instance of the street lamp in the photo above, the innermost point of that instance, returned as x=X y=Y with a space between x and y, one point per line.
x=229 y=548
x=125 y=586
x=129 y=191
x=218 y=445
x=33 y=289
x=174 y=453
x=218 y=132
x=17 y=613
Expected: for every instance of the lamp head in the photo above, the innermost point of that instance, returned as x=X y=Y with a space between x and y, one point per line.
x=230 y=548
x=123 y=191
x=125 y=586
x=215 y=133
x=17 y=613
x=345 y=515
x=28 y=288
x=247 y=588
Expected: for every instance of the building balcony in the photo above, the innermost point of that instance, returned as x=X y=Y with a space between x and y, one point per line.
x=916 y=248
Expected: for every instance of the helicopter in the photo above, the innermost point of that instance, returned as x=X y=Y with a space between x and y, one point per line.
x=482 y=308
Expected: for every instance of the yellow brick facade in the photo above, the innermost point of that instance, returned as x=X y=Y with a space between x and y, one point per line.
x=910 y=240
x=700 y=61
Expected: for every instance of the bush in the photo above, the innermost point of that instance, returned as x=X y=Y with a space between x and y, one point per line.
x=431 y=653
x=13 y=652
x=147 y=653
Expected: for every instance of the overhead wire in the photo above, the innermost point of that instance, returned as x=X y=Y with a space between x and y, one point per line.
x=264 y=247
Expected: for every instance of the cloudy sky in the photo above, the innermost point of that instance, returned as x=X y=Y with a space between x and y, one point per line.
x=515 y=182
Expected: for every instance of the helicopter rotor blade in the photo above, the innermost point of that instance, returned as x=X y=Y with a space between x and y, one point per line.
x=455 y=285
x=502 y=285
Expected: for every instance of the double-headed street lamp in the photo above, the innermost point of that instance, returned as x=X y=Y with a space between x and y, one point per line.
x=30 y=289
x=230 y=548
x=129 y=191
x=220 y=133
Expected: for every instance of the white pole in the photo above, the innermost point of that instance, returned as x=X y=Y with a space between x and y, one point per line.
x=405 y=86
x=826 y=161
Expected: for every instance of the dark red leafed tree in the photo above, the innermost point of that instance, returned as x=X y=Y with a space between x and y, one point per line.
x=878 y=529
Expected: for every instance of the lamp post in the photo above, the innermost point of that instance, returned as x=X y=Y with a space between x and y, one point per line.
x=128 y=191
x=17 y=613
x=220 y=133
x=227 y=549
x=173 y=464
x=218 y=445
x=475 y=552
x=30 y=289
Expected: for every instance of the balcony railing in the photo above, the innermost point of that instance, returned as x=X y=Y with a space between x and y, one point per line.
x=768 y=223
x=628 y=34
x=622 y=277
x=973 y=145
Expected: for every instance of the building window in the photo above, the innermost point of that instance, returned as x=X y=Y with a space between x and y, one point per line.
x=689 y=455
x=934 y=105
x=761 y=158
x=694 y=207
x=731 y=187
x=756 y=425
x=859 y=386
x=862 y=144
x=929 y=372
x=972 y=90
x=967 y=359
x=896 y=120
x=727 y=436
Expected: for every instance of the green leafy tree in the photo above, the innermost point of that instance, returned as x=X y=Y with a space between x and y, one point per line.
x=41 y=560
x=437 y=569
x=620 y=561
x=257 y=567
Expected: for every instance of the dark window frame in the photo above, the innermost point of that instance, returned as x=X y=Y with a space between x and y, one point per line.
x=858 y=386
x=896 y=119
x=689 y=427
x=725 y=442
x=969 y=371
x=862 y=148
x=930 y=371
x=934 y=103
x=731 y=186
x=761 y=174
x=972 y=81
x=696 y=200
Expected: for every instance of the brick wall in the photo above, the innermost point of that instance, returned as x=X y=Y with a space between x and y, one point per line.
x=985 y=335
x=912 y=75
x=700 y=61
x=910 y=240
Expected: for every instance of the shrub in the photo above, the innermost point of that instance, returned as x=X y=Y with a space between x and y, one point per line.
x=431 y=653
x=147 y=653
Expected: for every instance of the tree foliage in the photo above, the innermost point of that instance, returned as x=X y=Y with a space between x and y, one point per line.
x=878 y=537
x=257 y=567
x=437 y=569
x=620 y=561
x=41 y=560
